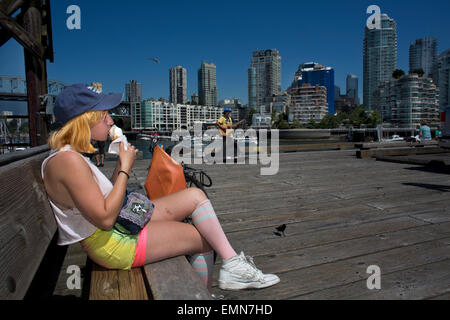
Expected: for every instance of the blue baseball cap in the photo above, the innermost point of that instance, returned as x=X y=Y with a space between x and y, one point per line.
x=227 y=110
x=79 y=98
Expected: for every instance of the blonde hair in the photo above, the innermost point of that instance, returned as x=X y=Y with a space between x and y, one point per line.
x=77 y=132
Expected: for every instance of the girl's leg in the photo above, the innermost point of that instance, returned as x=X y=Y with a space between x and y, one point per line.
x=203 y=264
x=178 y=205
x=166 y=239
x=193 y=201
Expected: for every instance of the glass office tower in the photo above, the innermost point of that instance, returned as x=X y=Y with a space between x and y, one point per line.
x=207 y=88
x=266 y=75
x=380 y=57
x=352 y=88
x=422 y=55
x=252 y=101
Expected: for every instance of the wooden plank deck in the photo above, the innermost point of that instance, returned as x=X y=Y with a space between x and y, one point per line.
x=342 y=214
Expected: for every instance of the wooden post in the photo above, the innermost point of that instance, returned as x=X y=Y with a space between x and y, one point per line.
x=36 y=75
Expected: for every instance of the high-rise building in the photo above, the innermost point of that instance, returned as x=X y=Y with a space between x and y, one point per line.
x=178 y=85
x=252 y=101
x=352 y=88
x=441 y=76
x=407 y=101
x=194 y=99
x=337 y=92
x=207 y=87
x=380 y=57
x=317 y=74
x=278 y=103
x=264 y=76
x=422 y=55
x=133 y=91
x=308 y=103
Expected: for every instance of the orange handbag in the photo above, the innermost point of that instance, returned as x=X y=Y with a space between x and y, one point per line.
x=165 y=175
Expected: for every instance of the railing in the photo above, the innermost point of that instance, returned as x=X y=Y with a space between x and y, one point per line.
x=18 y=85
x=10 y=141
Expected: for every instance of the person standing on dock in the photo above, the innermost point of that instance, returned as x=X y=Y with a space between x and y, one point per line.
x=100 y=154
x=438 y=133
x=424 y=131
x=225 y=127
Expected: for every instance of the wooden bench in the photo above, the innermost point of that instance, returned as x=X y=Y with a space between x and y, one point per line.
x=31 y=261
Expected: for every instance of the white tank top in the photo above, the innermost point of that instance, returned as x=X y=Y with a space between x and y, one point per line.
x=72 y=225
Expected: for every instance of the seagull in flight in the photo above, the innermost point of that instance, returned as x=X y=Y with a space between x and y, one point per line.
x=154 y=59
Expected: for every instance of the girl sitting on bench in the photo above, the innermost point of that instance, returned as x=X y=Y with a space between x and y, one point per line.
x=86 y=204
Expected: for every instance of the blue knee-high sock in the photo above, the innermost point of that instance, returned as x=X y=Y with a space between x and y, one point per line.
x=203 y=264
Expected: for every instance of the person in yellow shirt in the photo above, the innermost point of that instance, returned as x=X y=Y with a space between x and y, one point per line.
x=225 y=127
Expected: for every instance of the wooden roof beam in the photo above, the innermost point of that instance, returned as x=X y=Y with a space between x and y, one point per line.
x=21 y=35
x=12 y=6
x=5 y=35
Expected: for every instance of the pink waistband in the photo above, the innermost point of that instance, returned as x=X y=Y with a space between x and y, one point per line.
x=139 y=254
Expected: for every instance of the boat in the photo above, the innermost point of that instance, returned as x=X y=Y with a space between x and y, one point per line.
x=395 y=137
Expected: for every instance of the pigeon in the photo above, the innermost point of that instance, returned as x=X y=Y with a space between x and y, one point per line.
x=281 y=230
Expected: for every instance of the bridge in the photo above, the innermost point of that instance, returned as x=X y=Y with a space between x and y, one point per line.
x=15 y=88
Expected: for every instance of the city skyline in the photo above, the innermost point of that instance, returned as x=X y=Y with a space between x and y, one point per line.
x=114 y=55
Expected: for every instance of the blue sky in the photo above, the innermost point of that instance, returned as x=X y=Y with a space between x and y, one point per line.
x=115 y=39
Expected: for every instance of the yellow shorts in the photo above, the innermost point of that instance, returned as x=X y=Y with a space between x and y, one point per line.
x=111 y=249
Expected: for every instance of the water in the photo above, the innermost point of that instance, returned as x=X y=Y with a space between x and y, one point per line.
x=143 y=145
x=16 y=107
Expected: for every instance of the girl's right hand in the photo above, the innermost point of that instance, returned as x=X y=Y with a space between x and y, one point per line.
x=127 y=157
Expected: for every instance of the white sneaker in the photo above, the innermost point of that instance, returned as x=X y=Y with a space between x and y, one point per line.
x=240 y=272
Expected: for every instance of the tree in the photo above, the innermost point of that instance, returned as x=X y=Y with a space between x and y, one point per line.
x=329 y=122
x=374 y=119
x=283 y=125
x=24 y=128
x=277 y=119
x=312 y=124
x=297 y=125
x=342 y=117
x=274 y=116
x=398 y=73
x=12 y=125
x=419 y=72
x=358 y=116
x=250 y=115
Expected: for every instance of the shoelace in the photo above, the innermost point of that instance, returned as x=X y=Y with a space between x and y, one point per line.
x=217 y=296
x=258 y=272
